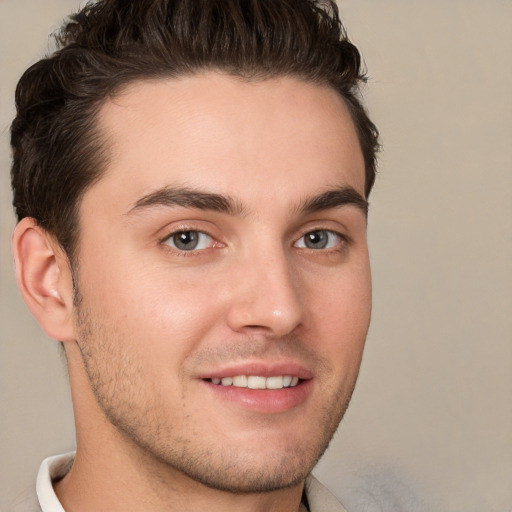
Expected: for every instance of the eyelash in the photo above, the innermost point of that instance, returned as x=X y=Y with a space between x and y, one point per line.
x=185 y=253
x=343 y=241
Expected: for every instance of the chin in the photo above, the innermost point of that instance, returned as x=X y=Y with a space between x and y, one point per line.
x=240 y=468
x=250 y=477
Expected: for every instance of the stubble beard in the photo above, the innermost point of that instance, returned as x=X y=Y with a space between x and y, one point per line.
x=116 y=380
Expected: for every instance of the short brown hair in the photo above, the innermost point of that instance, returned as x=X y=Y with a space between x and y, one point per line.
x=57 y=150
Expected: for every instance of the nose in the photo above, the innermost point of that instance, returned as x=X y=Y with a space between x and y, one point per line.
x=265 y=296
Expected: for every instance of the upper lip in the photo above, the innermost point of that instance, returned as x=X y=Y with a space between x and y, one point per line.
x=262 y=369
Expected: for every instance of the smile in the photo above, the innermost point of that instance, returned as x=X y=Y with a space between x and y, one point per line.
x=258 y=382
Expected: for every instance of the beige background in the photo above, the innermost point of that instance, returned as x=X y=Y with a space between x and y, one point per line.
x=430 y=427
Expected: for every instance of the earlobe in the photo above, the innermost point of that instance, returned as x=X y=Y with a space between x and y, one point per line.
x=44 y=279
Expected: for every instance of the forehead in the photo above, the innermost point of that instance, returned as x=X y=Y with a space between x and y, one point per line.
x=218 y=132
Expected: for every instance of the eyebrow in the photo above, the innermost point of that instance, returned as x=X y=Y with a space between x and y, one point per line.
x=191 y=198
x=342 y=196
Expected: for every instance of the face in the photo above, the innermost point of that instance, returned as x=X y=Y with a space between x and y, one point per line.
x=224 y=277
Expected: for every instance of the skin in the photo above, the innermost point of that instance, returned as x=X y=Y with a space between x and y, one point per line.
x=152 y=323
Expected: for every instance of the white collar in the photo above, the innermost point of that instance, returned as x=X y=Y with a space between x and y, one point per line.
x=51 y=469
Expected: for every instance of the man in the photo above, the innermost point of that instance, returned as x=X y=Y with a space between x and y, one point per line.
x=191 y=181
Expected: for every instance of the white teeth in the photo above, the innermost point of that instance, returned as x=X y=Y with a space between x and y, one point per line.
x=258 y=382
x=254 y=382
x=240 y=381
x=274 y=382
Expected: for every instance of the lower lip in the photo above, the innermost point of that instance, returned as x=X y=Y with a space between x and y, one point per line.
x=265 y=401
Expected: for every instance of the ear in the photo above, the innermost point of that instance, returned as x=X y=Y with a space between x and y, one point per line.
x=44 y=279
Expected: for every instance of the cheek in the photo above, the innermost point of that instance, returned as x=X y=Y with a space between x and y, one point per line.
x=150 y=304
x=343 y=310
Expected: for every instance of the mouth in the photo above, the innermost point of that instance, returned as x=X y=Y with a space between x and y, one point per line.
x=257 y=381
x=261 y=388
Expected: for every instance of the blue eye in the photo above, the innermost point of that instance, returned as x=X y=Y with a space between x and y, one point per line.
x=189 y=240
x=319 y=239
